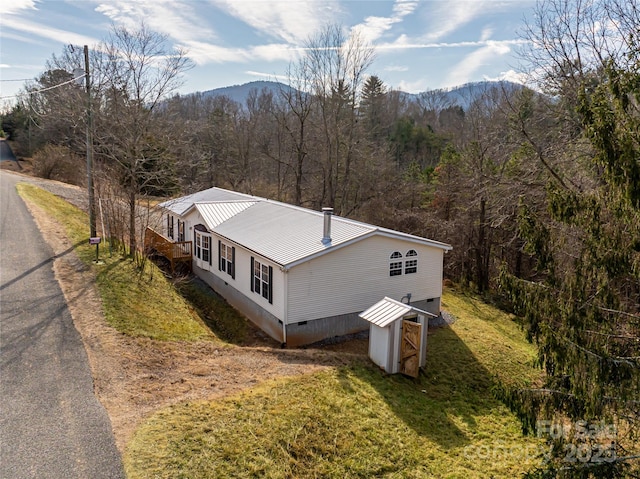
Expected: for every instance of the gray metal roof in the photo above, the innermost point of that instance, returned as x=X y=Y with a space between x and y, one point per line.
x=283 y=233
x=388 y=310
x=214 y=214
x=181 y=205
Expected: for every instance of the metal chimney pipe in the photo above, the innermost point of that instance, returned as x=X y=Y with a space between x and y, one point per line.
x=326 y=235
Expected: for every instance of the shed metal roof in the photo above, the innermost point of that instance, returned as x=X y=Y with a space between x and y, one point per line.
x=388 y=310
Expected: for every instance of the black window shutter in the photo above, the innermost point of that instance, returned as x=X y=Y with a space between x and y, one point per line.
x=219 y=255
x=251 y=275
x=179 y=230
x=210 y=248
x=168 y=225
x=233 y=262
x=271 y=284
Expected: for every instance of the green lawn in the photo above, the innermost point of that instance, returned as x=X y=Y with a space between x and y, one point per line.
x=138 y=304
x=346 y=422
x=359 y=422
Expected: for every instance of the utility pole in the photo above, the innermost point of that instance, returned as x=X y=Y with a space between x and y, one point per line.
x=92 y=206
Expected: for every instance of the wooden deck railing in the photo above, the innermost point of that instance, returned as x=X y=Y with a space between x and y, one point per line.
x=174 y=251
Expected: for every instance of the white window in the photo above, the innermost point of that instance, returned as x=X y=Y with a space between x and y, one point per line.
x=262 y=279
x=395 y=264
x=411 y=265
x=227 y=259
x=206 y=249
x=202 y=244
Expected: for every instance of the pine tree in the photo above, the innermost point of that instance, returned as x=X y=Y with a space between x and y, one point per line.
x=584 y=312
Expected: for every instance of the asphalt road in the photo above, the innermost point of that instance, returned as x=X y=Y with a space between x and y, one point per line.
x=51 y=424
x=6 y=153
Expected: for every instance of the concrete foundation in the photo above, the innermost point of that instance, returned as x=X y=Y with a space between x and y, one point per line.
x=297 y=334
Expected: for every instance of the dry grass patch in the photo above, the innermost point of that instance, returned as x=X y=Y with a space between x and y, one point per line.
x=359 y=422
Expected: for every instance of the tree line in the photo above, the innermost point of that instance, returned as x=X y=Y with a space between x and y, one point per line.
x=537 y=189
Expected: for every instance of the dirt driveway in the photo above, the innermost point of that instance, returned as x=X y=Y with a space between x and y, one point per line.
x=135 y=376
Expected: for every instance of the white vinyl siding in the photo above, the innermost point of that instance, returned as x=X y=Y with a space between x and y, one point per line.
x=353 y=278
x=243 y=278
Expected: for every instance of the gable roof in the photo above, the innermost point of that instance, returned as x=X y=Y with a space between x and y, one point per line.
x=181 y=205
x=285 y=234
x=388 y=310
x=214 y=214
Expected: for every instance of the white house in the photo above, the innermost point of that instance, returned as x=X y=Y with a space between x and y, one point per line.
x=301 y=275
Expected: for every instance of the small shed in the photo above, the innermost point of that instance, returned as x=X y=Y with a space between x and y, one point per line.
x=397 y=336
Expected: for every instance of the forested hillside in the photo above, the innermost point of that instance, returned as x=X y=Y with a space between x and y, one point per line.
x=537 y=189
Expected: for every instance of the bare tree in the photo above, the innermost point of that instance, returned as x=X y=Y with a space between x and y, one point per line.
x=293 y=113
x=138 y=70
x=338 y=66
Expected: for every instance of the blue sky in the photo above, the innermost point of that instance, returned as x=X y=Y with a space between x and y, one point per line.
x=419 y=45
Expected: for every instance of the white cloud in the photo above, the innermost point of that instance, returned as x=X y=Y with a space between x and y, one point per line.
x=203 y=53
x=396 y=68
x=464 y=70
x=509 y=75
x=447 y=17
x=16 y=6
x=292 y=22
x=177 y=19
x=404 y=43
x=486 y=34
x=267 y=76
x=273 y=52
x=43 y=31
x=374 y=27
x=412 y=87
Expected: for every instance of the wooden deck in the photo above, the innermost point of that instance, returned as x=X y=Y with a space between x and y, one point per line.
x=175 y=251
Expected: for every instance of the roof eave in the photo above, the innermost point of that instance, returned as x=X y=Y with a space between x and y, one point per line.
x=414 y=239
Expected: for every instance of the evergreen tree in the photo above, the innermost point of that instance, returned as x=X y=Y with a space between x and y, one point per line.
x=584 y=311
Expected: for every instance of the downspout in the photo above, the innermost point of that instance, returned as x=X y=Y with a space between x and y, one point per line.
x=286 y=307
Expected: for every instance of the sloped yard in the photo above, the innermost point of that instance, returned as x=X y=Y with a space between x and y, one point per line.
x=356 y=421
x=194 y=405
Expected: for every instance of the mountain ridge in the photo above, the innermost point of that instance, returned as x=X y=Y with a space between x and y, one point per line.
x=462 y=95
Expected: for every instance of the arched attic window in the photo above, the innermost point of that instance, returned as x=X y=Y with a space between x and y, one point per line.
x=395 y=264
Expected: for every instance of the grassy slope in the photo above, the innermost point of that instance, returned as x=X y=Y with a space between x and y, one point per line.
x=134 y=303
x=348 y=422
x=357 y=421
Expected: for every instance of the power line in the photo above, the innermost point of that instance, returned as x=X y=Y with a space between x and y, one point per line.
x=18 y=79
x=42 y=90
